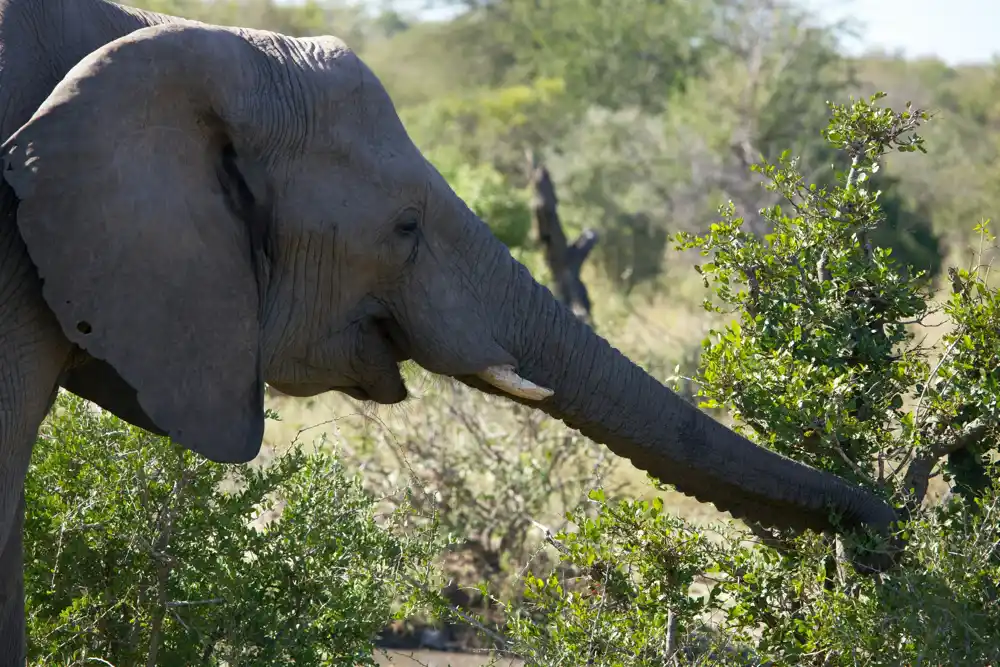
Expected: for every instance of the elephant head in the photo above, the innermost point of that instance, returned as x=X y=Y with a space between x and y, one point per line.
x=212 y=208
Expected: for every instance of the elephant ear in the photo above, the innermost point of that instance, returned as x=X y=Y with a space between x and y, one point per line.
x=127 y=209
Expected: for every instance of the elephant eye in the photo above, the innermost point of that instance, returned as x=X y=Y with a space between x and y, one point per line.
x=408 y=223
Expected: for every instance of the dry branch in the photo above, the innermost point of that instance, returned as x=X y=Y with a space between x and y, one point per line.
x=565 y=260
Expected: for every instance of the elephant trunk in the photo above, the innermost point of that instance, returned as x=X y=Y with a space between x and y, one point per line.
x=608 y=398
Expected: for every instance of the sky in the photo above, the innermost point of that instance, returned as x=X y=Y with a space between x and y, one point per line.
x=956 y=31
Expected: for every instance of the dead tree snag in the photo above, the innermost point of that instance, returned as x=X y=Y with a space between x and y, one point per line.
x=565 y=260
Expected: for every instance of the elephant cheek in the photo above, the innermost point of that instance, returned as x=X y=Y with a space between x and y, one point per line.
x=375 y=369
x=299 y=390
x=386 y=391
x=358 y=358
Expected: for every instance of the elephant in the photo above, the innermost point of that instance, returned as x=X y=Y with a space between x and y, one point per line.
x=189 y=212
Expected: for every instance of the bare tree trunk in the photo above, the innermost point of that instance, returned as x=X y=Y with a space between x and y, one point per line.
x=565 y=260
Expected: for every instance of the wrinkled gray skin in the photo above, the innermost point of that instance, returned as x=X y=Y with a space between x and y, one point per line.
x=189 y=211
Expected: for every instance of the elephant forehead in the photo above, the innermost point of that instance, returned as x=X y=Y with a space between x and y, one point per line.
x=365 y=128
x=337 y=80
x=361 y=168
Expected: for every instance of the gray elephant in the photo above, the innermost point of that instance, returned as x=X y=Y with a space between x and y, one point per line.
x=189 y=211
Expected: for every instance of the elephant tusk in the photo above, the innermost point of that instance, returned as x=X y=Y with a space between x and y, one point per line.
x=506 y=379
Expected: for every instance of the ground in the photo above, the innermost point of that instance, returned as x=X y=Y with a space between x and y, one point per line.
x=443 y=659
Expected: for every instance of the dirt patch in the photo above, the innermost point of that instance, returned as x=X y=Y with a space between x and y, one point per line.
x=443 y=659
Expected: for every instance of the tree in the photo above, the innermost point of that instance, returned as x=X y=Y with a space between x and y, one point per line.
x=496 y=127
x=310 y=17
x=565 y=260
x=610 y=53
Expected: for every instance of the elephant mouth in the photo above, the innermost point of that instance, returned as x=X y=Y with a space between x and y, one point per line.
x=394 y=338
x=376 y=396
x=360 y=361
x=381 y=345
x=386 y=394
x=502 y=376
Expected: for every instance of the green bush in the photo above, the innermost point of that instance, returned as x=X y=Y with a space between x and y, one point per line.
x=939 y=607
x=820 y=363
x=622 y=589
x=140 y=552
x=639 y=587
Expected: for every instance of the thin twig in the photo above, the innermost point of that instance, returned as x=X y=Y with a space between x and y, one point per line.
x=192 y=603
x=854 y=466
